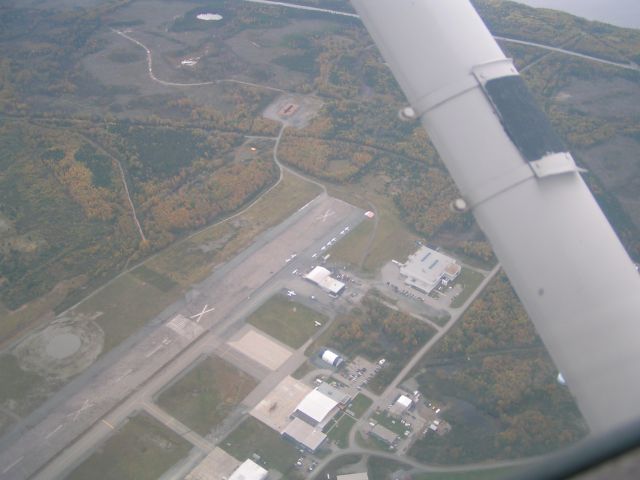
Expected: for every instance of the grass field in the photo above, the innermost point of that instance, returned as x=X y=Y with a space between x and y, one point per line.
x=336 y=465
x=21 y=390
x=392 y=241
x=131 y=300
x=192 y=259
x=348 y=251
x=382 y=468
x=286 y=320
x=147 y=275
x=360 y=404
x=487 y=474
x=253 y=436
x=391 y=237
x=12 y=322
x=203 y=397
x=126 y=305
x=142 y=449
x=135 y=298
x=5 y=422
x=470 y=280
x=338 y=431
x=389 y=423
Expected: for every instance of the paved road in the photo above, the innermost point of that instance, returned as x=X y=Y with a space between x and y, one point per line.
x=304 y=7
x=178 y=427
x=166 y=351
x=388 y=395
x=423 y=468
x=153 y=77
x=627 y=66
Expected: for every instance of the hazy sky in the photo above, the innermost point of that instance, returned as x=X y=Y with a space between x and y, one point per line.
x=625 y=13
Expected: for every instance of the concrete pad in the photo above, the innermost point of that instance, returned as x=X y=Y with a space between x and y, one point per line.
x=262 y=349
x=274 y=409
x=218 y=465
x=185 y=327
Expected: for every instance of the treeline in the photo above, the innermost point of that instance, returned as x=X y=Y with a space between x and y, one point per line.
x=327 y=159
x=243 y=115
x=63 y=198
x=41 y=50
x=374 y=331
x=494 y=361
x=515 y=20
x=63 y=223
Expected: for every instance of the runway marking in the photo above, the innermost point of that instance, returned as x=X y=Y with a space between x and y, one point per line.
x=305 y=206
x=53 y=432
x=163 y=344
x=325 y=215
x=85 y=406
x=108 y=424
x=128 y=372
x=198 y=316
x=13 y=464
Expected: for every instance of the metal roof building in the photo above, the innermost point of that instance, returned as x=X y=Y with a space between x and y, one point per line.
x=322 y=277
x=315 y=407
x=304 y=434
x=401 y=405
x=384 y=434
x=332 y=392
x=249 y=470
x=332 y=358
x=426 y=268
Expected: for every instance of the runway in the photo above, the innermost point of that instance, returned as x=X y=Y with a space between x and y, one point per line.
x=99 y=401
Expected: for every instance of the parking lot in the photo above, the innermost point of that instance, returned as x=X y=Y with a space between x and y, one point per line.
x=357 y=373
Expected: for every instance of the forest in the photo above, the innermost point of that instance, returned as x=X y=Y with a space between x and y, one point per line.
x=375 y=331
x=78 y=140
x=499 y=385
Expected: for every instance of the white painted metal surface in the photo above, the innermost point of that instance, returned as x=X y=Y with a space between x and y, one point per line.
x=549 y=234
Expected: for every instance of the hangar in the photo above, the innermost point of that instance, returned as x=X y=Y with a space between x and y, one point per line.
x=305 y=435
x=338 y=395
x=383 y=434
x=425 y=269
x=401 y=405
x=276 y=407
x=322 y=277
x=315 y=407
x=332 y=358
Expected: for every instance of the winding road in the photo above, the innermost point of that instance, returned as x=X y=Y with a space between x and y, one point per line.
x=101 y=429
x=629 y=66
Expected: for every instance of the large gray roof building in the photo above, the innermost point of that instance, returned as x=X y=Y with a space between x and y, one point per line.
x=425 y=269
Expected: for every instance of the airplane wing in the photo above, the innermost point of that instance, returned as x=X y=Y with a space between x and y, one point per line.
x=566 y=264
